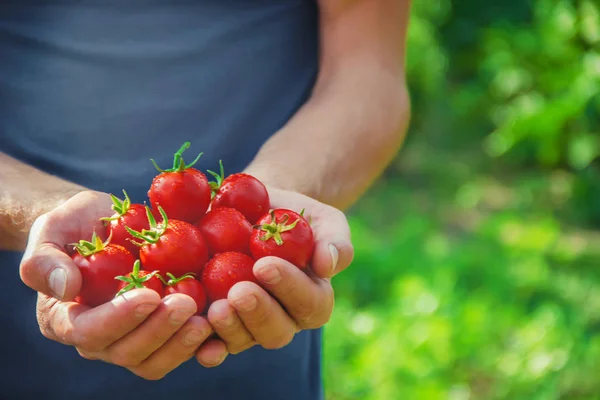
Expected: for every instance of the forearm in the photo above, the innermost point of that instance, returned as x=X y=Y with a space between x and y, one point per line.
x=341 y=140
x=26 y=193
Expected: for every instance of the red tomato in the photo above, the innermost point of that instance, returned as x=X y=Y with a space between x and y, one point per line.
x=241 y=191
x=99 y=264
x=171 y=246
x=186 y=284
x=225 y=229
x=225 y=270
x=139 y=279
x=126 y=214
x=182 y=191
x=285 y=234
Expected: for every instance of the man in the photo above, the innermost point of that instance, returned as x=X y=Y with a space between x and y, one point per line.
x=308 y=97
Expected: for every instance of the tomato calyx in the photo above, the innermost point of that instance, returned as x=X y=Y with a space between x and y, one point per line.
x=173 y=280
x=178 y=164
x=156 y=230
x=95 y=245
x=134 y=280
x=274 y=229
x=219 y=178
x=120 y=207
x=308 y=219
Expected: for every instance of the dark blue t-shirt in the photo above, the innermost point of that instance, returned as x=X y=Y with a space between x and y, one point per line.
x=89 y=91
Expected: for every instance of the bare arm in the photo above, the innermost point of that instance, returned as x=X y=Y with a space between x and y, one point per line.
x=26 y=193
x=342 y=139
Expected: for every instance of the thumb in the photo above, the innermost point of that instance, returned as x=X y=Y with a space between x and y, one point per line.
x=45 y=267
x=331 y=257
x=333 y=251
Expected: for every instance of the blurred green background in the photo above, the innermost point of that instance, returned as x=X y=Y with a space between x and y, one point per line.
x=477 y=269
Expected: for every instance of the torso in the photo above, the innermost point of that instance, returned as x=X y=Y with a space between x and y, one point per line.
x=90 y=91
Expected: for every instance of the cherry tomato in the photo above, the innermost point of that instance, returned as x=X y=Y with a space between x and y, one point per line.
x=285 y=234
x=99 y=262
x=171 y=246
x=139 y=279
x=241 y=191
x=182 y=191
x=225 y=229
x=225 y=270
x=188 y=285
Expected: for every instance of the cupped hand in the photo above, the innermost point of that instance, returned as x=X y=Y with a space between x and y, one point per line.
x=138 y=330
x=288 y=299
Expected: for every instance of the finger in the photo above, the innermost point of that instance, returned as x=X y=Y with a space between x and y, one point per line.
x=94 y=329
x=333 y=248
x=308 y=299
x=212 y=353
x=229 y=327
x=331 y=257
x=45 y=267
x=264 y=318
x=177 y=350
x=169 y=317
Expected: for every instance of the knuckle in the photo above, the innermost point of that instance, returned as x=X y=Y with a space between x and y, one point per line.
x=326 y=310
x=87 y=343
x=124 y=359
x=305 y=313
x=45 y=326
x=260 y=317
x=86 y=354
x=207 y=365
x=45 y=315
x=65 y=333
x=279 y=341
x=238 y=348
x=288 y=286
x=50 y=218
x=47 y=333
x=41 y=221
x=320 y=320
x=149 y=375
x=28 y=270
x=315 y=312
x=161 y=336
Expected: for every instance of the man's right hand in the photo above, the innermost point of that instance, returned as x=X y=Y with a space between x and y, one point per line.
x=140 y=331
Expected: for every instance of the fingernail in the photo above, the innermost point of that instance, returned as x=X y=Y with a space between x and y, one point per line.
x=247 y=303
x=143 y=310
x=270 y=274
x=180 y=314
x=178 y=317
x=193 y=337
x=226 y=322
x=335 y=256
x=57 y=281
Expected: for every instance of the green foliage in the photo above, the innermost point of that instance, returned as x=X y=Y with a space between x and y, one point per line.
x=477 y=268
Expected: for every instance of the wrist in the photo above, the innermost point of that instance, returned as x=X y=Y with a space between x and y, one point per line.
x=276 y=176
x=18 y=214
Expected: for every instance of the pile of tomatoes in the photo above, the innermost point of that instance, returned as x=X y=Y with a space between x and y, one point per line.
x=197 y=237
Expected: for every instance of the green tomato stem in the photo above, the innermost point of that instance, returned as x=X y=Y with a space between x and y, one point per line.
x=174 y=280
x=178 y=164
x=216 y=185
x=273 y=230
x=95 y=245
x=134 y=280
x=153 y=234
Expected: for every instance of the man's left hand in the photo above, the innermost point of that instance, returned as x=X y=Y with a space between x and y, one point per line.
x=288 y=299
